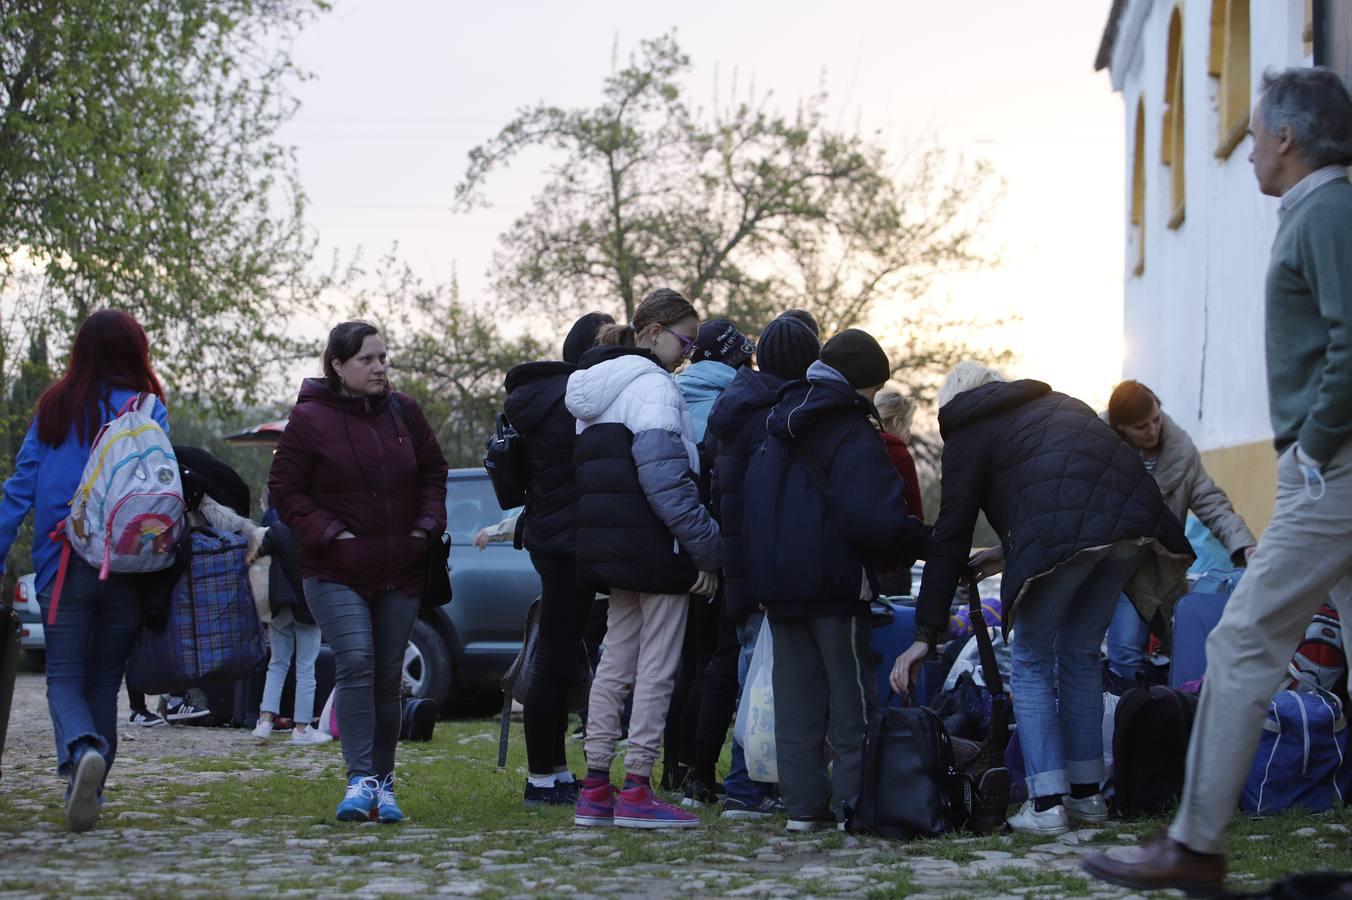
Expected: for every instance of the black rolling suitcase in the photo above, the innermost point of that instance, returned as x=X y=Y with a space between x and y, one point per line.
x=9 y=667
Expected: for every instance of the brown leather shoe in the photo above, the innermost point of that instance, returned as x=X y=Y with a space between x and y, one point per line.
x=1158 y=864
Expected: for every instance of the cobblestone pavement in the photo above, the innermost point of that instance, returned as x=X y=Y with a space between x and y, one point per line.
x=193 y=812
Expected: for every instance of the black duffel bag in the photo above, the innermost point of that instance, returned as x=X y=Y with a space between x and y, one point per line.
x=918 y=781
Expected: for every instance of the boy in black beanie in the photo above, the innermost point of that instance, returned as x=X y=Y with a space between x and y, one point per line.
x=829 y=513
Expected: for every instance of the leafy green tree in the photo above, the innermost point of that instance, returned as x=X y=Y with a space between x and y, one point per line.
x=749 y=210
x=139 y=169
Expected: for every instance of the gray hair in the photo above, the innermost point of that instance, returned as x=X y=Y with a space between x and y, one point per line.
x=965 y=376
x=1315 y=105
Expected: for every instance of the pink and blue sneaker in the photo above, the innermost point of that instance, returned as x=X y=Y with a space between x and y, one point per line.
x=638 y=807
x=595 y=803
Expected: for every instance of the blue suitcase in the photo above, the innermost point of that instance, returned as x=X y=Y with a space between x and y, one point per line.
x=1194 y=617
x=893 y=634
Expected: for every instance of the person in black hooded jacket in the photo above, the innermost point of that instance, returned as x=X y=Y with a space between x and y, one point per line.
x=547 y=528
x=787 y=346
x=1080 y=522
x=823 y=512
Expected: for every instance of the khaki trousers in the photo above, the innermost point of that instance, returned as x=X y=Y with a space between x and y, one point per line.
x=641 y=651
x=1304 y=557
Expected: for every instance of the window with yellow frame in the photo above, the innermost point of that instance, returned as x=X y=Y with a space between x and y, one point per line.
x=1138 y=189
x=1229 y=62
x=1171 y=142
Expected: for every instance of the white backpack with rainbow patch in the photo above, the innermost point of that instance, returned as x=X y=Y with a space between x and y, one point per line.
x=127 y=513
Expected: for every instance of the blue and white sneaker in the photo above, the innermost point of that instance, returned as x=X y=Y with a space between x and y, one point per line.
x=359 y=804
x=86 y=780
x=387 y=809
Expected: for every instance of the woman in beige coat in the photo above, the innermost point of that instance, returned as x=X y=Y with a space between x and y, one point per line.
x=1171 y=457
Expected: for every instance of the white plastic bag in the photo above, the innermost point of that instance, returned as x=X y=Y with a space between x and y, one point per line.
x=755 y=726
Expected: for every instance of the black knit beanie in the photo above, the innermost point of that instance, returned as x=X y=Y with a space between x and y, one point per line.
x=856 y=355
x=806 y=318
x=719 y=340
x=582 y=336
x=787 y=347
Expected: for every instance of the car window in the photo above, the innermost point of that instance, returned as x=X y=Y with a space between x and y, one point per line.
x=470 y=506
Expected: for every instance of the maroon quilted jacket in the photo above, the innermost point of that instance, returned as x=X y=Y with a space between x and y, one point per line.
x=358 y=464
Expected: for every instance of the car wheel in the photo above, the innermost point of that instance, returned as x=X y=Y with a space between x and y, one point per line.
x=35 y=660
x=427 y=664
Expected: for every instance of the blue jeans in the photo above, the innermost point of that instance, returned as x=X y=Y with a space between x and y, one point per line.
x=737 y=783
x=87 y=650
x=287 y=637
x=1128 y=640
x=1059 y=627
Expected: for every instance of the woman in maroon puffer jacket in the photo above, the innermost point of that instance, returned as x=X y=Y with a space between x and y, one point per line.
x=359 y=477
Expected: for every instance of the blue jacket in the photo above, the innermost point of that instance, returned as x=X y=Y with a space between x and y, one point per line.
x=701 y=385
x=44 y=480
x=737 y=422
x=812 y=550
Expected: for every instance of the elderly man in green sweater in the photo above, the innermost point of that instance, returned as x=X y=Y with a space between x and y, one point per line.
x=1302 y=145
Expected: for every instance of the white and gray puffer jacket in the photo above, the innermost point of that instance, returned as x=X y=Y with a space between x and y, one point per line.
x=641 y=525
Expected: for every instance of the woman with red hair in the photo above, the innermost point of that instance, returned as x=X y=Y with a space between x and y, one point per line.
x=88 y=644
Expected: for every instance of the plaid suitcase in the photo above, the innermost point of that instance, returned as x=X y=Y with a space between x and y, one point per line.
x=213 y=631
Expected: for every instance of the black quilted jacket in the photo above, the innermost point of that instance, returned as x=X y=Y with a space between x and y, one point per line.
x=535 y=407
x=1053 y=480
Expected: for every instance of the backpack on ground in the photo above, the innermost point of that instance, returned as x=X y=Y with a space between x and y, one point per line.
x=419 y=719
x=1302 y=755
x=213 y=631
x=919 y=782
x=1151 y=729
x=128 y=510
x=505 y=462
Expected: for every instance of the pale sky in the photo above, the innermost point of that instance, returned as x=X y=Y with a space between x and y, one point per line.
x=402 y=89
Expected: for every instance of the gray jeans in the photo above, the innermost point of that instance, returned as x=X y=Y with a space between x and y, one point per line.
x=823 y=689
x=368 y=639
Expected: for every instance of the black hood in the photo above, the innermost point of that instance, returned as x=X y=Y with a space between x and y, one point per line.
x=533 y=389
x=988 y=400
x=751 y=393
x=598 y=355
x=803 y=403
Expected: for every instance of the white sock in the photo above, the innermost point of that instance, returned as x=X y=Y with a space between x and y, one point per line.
x=563 y=776
x=541 y=781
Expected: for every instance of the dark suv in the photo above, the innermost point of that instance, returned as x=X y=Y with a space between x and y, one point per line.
x=465 y=646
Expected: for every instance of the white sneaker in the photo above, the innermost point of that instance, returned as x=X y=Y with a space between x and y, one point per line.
x=264 y=730
x=1091 y=810
x=310 y=736
x=1047 y=824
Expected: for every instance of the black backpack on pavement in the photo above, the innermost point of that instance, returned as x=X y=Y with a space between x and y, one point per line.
x=1151 y=729
x=918 y=781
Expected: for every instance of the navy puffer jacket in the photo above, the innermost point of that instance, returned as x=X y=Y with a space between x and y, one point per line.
x=1052 y=480
x=737 y=424
x=811 y=551
x=535 y=407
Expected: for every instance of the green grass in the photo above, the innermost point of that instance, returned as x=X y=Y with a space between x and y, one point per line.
x=461 y=805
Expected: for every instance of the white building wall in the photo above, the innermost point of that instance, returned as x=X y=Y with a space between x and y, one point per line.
x=1193 y=320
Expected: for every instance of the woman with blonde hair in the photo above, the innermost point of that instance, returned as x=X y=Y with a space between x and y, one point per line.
x=1080 y=522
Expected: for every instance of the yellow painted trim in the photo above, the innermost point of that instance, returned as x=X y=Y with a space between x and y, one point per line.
x=1248 y=474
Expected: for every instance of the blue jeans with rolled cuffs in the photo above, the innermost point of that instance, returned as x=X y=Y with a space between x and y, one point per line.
x=1056 y=679
x=87 y=650
x=368 y=639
